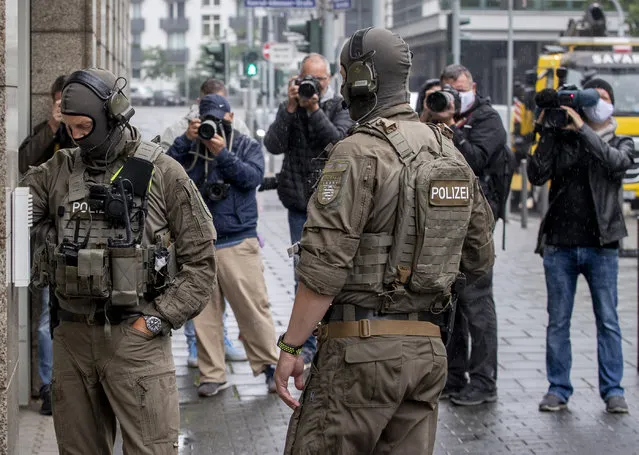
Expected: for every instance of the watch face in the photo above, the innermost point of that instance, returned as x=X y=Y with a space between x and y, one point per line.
x=154 y=324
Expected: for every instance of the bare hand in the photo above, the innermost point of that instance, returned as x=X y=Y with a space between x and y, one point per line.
x=289 y=365
x=140 y=326
x=56 y=116
x=215 y=145
x=447 y=116
x=310 y=104
x=191 y=131
x=293 y=93
x=576 y=122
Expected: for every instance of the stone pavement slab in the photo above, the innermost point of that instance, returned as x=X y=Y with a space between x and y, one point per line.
x=244 y=419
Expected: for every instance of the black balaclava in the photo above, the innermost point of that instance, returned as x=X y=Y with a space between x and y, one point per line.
x=392 y=62
x=104 y=144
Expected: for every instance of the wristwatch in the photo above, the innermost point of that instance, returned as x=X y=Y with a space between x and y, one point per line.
x=154 y=324
x=293 y=350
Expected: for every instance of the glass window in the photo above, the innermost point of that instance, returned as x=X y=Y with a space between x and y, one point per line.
x=206 y=2
x=176 y=41
x=180 y=9
x=136 y=39
x=136 y=11
x=211 y=26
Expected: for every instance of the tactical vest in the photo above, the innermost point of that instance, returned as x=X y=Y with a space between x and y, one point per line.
x=414 y=269
x=91 y=263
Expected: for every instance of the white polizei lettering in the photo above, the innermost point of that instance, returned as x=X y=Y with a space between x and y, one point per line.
x=450 y=193
x=433 y=192
x=463 y=193
x=80 y=207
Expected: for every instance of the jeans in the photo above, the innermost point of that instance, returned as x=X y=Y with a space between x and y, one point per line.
x=600 y=267
x=475 y=316
x=296 y=222
x=45 y=344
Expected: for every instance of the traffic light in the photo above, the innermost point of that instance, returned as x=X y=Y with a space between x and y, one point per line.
x=250 y=63
x=217 y=52
x=311 y=32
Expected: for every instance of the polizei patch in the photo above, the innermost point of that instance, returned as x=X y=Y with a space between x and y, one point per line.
x=449 y=193
x=331 y=181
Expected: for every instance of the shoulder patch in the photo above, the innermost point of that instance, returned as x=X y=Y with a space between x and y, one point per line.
x=449 y=193
x=331 y=182
x=199 y=197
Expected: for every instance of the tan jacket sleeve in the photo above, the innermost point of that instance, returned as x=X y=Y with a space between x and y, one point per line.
x=337 y=214
x=478 y=252
x=191 y=226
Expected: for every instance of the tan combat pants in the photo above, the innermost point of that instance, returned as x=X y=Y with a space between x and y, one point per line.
x=240 y=278
x=376 y=395
x=130 y=377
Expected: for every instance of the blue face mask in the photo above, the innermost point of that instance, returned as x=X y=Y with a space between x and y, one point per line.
x=600 y=112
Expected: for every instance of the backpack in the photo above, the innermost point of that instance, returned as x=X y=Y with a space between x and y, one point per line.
x=435 y=201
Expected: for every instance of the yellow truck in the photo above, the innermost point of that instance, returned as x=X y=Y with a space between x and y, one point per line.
x=614 y=59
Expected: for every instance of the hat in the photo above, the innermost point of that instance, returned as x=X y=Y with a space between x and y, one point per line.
x=600 y=83
x=430 y=83
x=214 y=106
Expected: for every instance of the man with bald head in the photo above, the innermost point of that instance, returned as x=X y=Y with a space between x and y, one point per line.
x=312 y=118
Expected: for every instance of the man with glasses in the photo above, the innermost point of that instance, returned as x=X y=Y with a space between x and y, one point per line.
x=312 y=118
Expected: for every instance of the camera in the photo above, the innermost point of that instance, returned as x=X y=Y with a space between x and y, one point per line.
x=438 y=101
x=115 y=201
x=308 y=86
x=216 y=191
x=550 y=101
x=209 y=128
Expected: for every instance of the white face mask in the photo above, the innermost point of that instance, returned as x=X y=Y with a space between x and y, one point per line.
x=600 y=112
x=467 y=101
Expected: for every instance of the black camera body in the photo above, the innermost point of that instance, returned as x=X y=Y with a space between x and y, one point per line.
x=308 y=86
x=550 y=101
x=112 y=201
x=209 y=128
x=438 y=101
x=216 y=191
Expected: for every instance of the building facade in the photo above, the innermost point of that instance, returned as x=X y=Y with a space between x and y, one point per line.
x=39 y=39
x=424 y=25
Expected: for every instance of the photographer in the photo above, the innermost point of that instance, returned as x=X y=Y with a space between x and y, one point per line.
x=478 y=133
x=580 y=235
x=311 y=118
x=430 y=86
x=227 y=167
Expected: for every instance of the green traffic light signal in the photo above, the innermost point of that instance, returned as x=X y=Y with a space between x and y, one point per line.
x=250 y=63
x=251 y=70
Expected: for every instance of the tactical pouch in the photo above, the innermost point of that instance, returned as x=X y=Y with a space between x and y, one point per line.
x=128 y=274
x=82 y=273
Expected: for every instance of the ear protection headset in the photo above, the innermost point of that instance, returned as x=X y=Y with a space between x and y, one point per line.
x=361 y=76
x=116 y=104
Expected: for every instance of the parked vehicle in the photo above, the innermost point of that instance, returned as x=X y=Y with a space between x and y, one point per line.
x=141 y=96
x=168 y=98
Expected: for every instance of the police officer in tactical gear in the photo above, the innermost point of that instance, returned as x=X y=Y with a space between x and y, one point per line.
x=396 y=216
x=131 y=256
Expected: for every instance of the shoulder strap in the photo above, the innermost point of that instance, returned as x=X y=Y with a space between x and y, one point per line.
x=387 y=129
x=77 y=188
x=444 y=136
x=148 y=151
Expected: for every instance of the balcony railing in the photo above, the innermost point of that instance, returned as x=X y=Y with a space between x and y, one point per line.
x=175 y=24
x=177 y=56
x=137 y=25
x=136 y=54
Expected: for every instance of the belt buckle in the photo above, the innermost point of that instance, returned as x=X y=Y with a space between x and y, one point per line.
x=364 y=328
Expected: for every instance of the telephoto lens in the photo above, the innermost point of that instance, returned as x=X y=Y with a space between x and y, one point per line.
x=439 y=101
x=207 y=130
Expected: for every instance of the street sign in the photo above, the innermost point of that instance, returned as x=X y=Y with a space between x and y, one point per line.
x=281 y=53
x=279 y=3
x=266 y=51
x=341 y=4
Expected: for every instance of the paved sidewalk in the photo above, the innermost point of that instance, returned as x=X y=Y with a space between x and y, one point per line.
x=244 y=419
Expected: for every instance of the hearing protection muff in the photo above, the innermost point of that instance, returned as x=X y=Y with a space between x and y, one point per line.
x=361 y=76
x=116 y=104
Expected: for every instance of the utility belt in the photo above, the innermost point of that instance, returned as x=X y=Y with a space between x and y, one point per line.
x=353 y=321
x=98 y=318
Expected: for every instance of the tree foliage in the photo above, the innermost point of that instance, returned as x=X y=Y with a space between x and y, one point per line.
x=631 y=8
x=156 y=64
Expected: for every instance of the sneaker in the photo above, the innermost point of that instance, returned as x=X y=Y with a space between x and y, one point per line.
x=45 y=396
x=470 y=396
x=232 y=353
x=449 y=392
x=616 y=405
x=191 y=361
x=552 y=403
x=269 y=372
x=208 y=389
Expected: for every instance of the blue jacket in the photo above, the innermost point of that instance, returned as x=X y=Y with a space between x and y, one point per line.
x=235 y=218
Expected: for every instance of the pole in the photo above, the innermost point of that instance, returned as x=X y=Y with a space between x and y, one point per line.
x=328 y=35
x=250 y=105
x=523 y=171
x=510 y=69
x=456 y=33
x=271 y=67
x=622 y=18
x=378 y=14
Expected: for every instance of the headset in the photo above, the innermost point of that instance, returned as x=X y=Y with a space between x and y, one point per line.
x=116 y=104
x=361 y=76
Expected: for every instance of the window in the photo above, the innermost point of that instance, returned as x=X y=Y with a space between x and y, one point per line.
x=211 y=26
x=206 y=2
x=176 y=10
x=136 y=40
x=136 y=11
x=136 y=73
x=176 y=41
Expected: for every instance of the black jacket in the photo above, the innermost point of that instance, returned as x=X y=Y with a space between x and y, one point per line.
x=302 y=138
x=480 y=139
x=40 y=146
x=607 y=163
